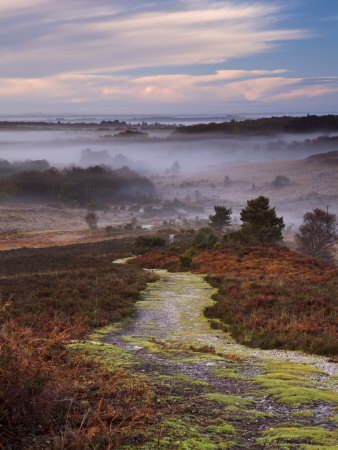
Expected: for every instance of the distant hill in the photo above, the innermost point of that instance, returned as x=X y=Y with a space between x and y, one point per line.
x=325 y=158
x=286 y=124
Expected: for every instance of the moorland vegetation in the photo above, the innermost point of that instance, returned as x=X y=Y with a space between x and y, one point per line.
x=268 y=296
x=50 y=397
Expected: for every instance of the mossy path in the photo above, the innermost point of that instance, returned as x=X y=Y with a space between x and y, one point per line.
x=212 y=392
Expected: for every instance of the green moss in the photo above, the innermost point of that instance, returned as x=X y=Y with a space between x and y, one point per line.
x=222 y=429
x=100 y=333
x=191 y=380
x=294 y=392
x=231 y=400
x=228 y=373
x=152 y=324
x=196 y=444
x=148 y=343
x=292 y=368
x=283 y=376
x=254 y=414
x=123 y=260
x=203 y=357
x=108 y=355
x=290 y=437
x=174 y=398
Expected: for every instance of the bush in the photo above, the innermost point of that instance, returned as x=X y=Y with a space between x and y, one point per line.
x=280 y=181
x=186 y=258
x=234 y=237
x=109 y=229
x=150 y=241
x=91 y=219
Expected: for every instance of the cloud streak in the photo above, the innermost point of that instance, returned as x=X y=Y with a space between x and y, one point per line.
x=227 y=86
x=79 y=51
x=103 y=38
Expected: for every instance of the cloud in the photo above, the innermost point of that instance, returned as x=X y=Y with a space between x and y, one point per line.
x=85 y=52
x=88 y=37
x=10 y=7
x=241 y=87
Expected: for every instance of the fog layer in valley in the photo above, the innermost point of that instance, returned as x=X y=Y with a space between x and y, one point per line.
x=190 y=173
x=154 y=152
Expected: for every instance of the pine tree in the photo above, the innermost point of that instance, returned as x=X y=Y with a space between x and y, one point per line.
x=221 y=218
x=260 y=222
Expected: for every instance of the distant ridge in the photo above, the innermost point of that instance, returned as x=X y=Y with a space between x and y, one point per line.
x=326 y=158
x=285 y=124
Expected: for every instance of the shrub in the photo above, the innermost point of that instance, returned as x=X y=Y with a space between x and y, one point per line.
x=109 y=229
x=186 y=258
x=150 y=241
x=234 y=237
x=91 y=219
x=280 y=181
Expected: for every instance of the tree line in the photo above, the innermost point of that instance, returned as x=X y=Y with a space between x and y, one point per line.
x=316 y=237
x=76 y=186
x=285 y=124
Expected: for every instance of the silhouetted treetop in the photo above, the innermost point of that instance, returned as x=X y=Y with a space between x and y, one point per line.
x=286 y=124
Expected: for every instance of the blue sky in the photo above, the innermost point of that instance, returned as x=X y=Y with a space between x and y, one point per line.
x=179 y=56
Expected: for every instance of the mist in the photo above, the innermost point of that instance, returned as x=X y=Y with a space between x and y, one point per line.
x=154 y=152
x=195 y=171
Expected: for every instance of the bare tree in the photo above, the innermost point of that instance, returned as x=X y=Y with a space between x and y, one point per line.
x=91 y=219
x=318 y=235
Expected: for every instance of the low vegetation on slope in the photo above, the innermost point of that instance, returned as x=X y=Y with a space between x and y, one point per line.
x=268 y=297
x=48 y=397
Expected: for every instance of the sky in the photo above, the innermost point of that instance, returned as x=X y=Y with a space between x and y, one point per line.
x=168 y=56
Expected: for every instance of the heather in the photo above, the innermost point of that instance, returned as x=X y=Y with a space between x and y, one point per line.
x=268 y=296
x=49 y=396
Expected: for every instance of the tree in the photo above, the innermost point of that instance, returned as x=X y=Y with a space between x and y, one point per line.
x=318 y=234
x=260 y=222
x=91 y=219
x=221 y=218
